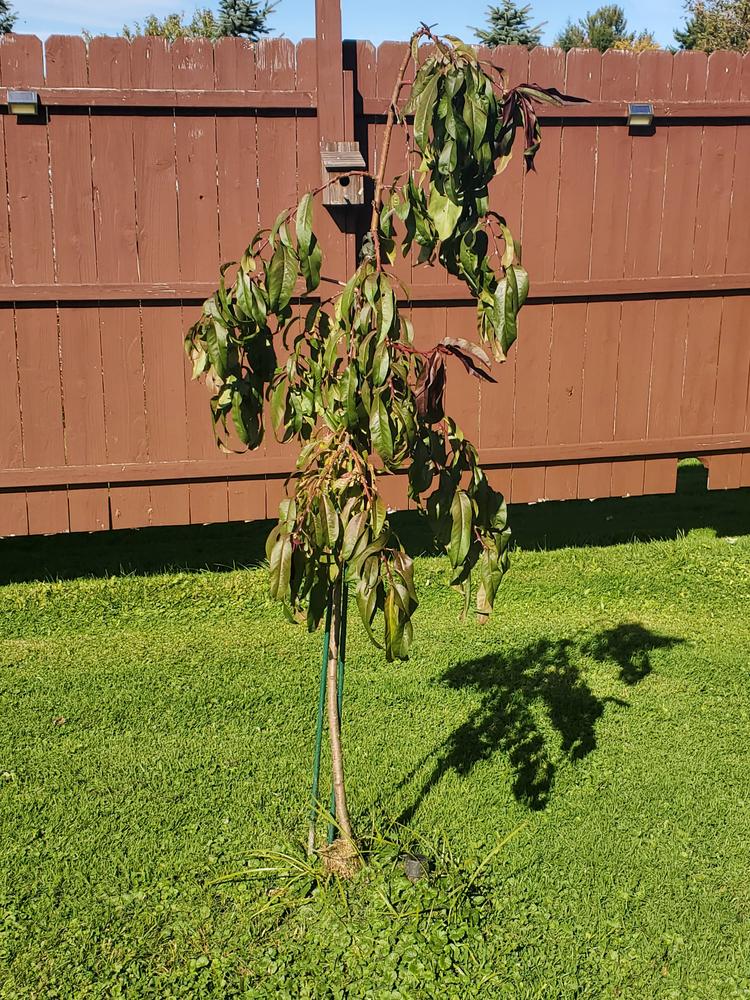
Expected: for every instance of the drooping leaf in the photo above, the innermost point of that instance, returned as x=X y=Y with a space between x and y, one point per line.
x=281 y=567
x=354 y=530
x=444 y=213
x=216 y=344
x=461 y=515
x=423 y=111
x=380 y=428
x=304 y=223
x=330 y=521
x=366 y=604
x=468 y=354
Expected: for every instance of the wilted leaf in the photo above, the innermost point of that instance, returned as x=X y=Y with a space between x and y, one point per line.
x=461 y=514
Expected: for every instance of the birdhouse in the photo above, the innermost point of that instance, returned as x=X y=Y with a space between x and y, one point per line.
x=338 y=159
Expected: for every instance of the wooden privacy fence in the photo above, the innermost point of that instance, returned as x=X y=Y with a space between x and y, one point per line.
x=149 y=164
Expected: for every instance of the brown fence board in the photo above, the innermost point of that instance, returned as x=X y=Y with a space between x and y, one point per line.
x=532 y=351
x=152 y=163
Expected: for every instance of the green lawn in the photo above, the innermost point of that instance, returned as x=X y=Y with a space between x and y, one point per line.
x=157 y=728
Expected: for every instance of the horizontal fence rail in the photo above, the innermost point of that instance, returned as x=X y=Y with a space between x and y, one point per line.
x=149 y=164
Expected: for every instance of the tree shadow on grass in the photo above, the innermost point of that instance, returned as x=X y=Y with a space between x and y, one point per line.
x=514 y=685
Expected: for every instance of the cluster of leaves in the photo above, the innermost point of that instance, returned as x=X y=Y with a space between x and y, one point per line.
x=605 y=28
x=509 y=24
x=236 y=18
x=344 y=378
x=716 y=24
x=7 y=17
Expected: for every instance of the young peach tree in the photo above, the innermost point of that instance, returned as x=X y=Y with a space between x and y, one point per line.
x=346 y=381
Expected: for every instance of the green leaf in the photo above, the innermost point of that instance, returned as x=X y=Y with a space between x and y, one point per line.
x=476 y=121
x=393 y=628
x=281 y=278
x=380 y=429
x=238 y=417
x=259 y=306
x=366 y=604
x=378 y=514
x=330 y=522
x=281 y=567
x=461 y=515
x=274 y=278
x=310 y=255
x=522 y=280
x=405 y=565
x=278 y=404
x=310 y=264
x=387 y=308
x=423 y=112
x=271 y=541
x=381 y=363
x=504 y=314
x=289 y=277
x=304 y=222
x=243 y=294
x=444 y=213
x=352 y=534
x=216 y=344
x=279 y=221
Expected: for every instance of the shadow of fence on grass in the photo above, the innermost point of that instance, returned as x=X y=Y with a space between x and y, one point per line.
x=221 y=547
x=514 y=685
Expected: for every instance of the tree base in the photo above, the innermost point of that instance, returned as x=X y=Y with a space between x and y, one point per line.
x=341 y=858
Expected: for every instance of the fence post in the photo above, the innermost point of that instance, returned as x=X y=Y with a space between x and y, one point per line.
x=330 y=70
x=335 y=227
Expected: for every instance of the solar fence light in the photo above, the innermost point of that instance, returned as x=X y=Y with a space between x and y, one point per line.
x=640 y=115
x=23 y=102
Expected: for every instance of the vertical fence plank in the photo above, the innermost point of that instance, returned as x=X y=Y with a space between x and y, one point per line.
x=283 y=169
x=732 y=378
x=75 y=259
x=27 y=164
x=675 y=257
x=30 y=215
x=711 y=231
x=599 y=393
x=496 y=402
x=13 y=517
x=41 y=409
x=539 y=235
x=738 y=246
x=572 y=255
x=236 y=154
x=192 y=65
x=608 y=236
x=645 y=201
x=154 y=154
x=124 y=409
x=730 y=408
x=115 y=236
x=738 y=253
x=683 y=169
x=645 y=239
x=633 y=379
x=237 y=171
x=530 y=416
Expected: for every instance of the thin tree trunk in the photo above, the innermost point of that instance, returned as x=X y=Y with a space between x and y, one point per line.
x=334 y=723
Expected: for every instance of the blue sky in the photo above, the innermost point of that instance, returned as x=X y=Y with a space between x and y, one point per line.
x=362 y=19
